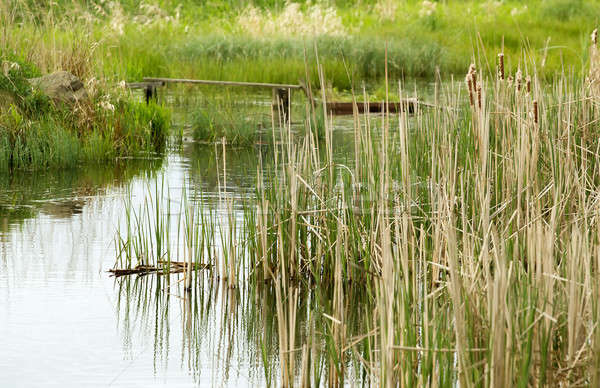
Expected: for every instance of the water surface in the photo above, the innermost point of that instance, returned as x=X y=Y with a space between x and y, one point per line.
x=66 y=323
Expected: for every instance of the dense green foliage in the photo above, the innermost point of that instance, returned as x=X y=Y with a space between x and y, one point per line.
x=261 y=42
x=36 y=132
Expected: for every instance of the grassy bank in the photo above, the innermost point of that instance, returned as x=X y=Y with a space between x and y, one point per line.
x=269 y=41
x=37 y=132
x=108 y=42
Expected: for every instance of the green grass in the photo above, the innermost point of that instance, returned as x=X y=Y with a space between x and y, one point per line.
x=207 y=40
x=38 y=133
x=239 y=123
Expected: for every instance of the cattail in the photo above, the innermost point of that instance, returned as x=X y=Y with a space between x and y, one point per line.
x=469 y=82
x=473 y=72
x=501 y=66
x=519 y=79
x=535 y=112
x=479 y=96
x=528 y=83
x=595 y=37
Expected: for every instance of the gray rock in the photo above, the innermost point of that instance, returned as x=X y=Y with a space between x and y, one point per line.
x=61 y=86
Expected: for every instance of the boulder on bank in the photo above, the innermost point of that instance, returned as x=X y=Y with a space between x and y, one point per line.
x=61 y=86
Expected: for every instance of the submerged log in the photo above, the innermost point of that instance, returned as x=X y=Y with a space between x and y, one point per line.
x=346 y=108
x=166 y=267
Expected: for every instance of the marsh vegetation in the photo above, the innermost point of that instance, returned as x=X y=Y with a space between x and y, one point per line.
x=457 y=244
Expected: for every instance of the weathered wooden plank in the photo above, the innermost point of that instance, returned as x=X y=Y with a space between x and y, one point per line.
x=142 y=85
x=346 y=108
x=221 y=83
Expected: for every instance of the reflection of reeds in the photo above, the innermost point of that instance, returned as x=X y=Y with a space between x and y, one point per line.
x=146 y=243
x=465 y=239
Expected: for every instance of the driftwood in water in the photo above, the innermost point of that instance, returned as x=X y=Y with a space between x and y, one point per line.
x=163 y=267
x=346 y=108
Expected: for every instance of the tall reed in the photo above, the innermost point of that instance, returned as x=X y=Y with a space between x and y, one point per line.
x=469 y=229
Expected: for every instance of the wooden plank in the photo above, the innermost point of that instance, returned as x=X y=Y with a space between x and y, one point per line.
x=346 y=108
x=142 y=85
x=221 y=83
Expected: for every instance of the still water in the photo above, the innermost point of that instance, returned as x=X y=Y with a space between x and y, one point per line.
x=64 y=322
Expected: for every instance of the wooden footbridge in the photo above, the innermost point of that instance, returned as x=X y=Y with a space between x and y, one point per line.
x=282 y=94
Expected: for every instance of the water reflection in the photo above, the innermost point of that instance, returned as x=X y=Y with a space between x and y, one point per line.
x=254 y=334
x=58 y=305
x=63 y=193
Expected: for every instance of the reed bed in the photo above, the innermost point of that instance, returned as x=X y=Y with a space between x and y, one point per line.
x=469 y=231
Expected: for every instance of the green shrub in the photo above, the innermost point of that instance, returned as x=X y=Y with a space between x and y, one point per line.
x=35 y=133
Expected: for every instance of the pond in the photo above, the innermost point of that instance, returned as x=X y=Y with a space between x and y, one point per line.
x=65 y=322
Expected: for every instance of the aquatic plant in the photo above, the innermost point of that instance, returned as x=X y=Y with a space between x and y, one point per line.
x=469 y=228
x=239 y=123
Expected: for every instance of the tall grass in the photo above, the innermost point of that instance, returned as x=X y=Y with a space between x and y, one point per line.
x=36 y=132
x=470 y=230
x=130 y=39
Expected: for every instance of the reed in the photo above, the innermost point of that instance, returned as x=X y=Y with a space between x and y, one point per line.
x=469 y=230
x=485 y=222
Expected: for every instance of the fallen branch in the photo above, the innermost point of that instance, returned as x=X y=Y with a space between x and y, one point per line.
x=163 y=267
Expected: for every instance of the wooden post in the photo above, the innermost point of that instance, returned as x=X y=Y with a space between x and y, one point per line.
x=281 y=102
x=150 y=92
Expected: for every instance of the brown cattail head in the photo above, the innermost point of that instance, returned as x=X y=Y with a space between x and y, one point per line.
x=479 y=96
x=595 y=37
x=519 y=79
x=501 y=66
x=535 y=112
x=528 y=83
x=469 y=82
x=473 y=73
